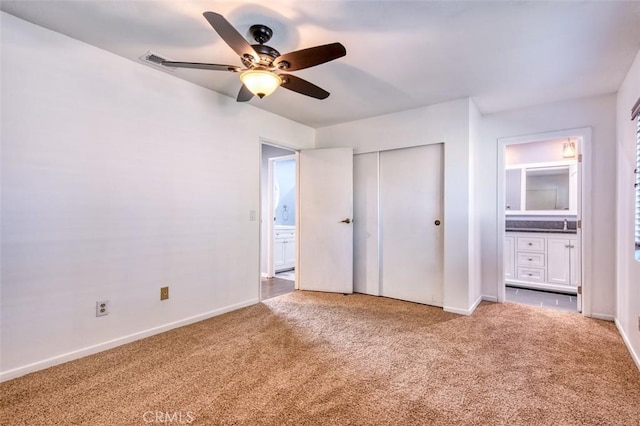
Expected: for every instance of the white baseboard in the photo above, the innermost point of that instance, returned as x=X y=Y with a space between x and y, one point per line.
x=627 y=342
x=490 y=298
x=605 y=317
x=90 y=350
x=463 y=311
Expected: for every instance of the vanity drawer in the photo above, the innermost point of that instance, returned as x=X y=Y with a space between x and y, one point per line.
x=531 y=243
x=285 y=234
x=534 y=275
x=530 y=259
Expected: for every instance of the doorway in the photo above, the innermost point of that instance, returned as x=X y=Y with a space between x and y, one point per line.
x=542 y=220
x=278 y=182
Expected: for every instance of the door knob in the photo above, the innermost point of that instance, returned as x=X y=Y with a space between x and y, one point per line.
x=437 y=223
x=346 y=220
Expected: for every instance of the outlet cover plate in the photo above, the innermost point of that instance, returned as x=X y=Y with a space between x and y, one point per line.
x=102 y=308
x=164 y=293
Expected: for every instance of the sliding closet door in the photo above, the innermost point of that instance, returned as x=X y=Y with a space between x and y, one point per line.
x=366 y=278
x=411 y=200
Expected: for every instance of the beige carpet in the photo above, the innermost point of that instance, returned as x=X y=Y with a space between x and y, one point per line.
x=326 y=359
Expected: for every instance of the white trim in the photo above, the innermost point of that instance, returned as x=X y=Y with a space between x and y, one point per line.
x=603 y=317
x=584 y=148
x=489 y=298
x=269 y=234
x=627 y=342
x=559 y=163
x=466 y=312
x=90 y=350
x=296 y=278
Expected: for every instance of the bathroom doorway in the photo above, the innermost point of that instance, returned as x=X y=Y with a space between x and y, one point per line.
x=542 y=220
x=278 y=221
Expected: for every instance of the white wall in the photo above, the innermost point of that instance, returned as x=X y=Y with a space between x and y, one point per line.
x=627 y=268
x=446 y=123
x=597 y=113
x=118 y=179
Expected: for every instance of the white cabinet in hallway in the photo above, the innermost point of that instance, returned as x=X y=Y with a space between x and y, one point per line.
x=284 y=248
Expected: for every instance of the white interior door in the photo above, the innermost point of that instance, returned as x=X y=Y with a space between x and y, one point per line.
x=411 y=200
x=325 y=220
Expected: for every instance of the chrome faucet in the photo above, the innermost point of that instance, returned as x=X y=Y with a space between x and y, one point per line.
x=565 y=225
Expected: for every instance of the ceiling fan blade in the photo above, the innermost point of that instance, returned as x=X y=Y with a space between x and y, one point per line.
x=303 y=87
x=200 y=66
x=231 y=36
x=244 y=94
x=310 y=57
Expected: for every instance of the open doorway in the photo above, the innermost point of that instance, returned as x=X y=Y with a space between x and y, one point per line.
x=278 y=221
x=541 y=212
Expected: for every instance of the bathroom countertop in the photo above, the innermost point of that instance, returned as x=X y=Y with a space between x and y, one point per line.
x=546 y=226
x=542 y=230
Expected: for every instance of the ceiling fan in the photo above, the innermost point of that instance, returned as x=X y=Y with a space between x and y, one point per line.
x=264 y=65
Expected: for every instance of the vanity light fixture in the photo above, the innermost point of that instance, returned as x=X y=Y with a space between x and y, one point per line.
x=568 y=149
x=261 y=82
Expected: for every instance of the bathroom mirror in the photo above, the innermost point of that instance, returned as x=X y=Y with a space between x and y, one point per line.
x=536 y=190
x=547 y=188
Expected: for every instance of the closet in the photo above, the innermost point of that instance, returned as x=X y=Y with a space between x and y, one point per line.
x=398 y=233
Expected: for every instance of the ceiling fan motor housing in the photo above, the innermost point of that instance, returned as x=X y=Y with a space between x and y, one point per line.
x=267 y=55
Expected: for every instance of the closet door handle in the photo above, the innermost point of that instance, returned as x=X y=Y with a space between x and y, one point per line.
x=347 y=220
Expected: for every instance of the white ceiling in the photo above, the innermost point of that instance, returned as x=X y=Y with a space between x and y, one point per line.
x=400 y=55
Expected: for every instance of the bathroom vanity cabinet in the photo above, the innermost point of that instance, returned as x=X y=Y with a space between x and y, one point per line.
x=284 y=248
x=540 y=260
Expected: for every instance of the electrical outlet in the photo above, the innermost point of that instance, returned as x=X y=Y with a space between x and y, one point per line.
x=102 y=308
x=164 y=293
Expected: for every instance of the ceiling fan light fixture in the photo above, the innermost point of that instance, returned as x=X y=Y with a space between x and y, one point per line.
x=260 y=82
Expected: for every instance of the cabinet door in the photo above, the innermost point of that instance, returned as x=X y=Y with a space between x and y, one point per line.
x=278 y=253
x=509 y=257
x=574 y=268
x=290 y=252
x=559 y=261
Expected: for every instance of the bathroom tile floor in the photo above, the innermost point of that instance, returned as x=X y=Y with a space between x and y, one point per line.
x=545 y=299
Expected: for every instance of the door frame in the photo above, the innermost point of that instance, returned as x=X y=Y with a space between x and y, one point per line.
x=295 y=152
x=584 y=234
